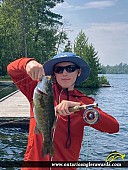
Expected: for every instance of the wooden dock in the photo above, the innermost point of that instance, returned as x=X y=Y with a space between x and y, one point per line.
x=14 y=110
x=14 y=105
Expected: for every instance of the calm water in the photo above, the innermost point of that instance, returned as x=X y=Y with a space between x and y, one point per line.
x=114 y=100
x=96 y=145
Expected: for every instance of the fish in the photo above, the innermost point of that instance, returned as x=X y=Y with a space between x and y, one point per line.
x=44 y=113
x=114 y=155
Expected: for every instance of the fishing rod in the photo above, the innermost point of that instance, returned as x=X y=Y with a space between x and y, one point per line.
x=83 y=107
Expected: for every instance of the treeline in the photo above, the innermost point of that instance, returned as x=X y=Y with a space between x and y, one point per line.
x=122 y=68
x=31 y=29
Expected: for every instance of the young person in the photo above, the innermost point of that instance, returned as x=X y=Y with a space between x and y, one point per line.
x=67 y=70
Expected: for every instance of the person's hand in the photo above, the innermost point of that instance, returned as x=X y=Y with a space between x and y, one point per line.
x=34 y=70
x=63 y=107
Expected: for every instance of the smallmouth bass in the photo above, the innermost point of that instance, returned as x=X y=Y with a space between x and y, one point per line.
x=44 y=113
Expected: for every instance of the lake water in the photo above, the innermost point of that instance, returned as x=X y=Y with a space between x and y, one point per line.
x=96 y=145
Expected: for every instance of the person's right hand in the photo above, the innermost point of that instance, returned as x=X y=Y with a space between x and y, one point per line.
x=35 y=70
x=63 y=107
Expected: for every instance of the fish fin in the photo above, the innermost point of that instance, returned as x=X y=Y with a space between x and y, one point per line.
x=48 y=149
x=36 y=130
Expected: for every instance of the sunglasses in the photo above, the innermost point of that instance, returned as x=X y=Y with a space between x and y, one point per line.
x=69 y=69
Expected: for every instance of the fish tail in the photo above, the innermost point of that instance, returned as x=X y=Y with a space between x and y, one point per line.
x=47 y=149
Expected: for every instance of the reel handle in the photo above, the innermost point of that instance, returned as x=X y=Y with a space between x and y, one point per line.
x=83 y=107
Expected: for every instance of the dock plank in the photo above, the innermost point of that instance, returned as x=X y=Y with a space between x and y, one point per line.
x=15 y=105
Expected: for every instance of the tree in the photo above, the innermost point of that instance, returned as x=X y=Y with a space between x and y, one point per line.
x=29 y=28
x=122 y=68
x=88 y=53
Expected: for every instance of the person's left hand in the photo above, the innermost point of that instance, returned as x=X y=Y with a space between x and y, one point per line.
x=63 y=107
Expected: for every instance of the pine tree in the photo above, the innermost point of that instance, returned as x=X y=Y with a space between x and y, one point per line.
x=88 y=53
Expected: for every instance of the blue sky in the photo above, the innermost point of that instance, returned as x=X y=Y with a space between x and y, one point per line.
x=104 y=22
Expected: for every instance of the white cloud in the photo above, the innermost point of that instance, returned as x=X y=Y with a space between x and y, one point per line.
x=99 y=4
x=109 y=39
x=114 y=26
x=89 y=5
x=119 y=29
x=63 y=6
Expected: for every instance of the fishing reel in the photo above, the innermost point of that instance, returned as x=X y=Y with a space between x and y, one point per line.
x=91 y=115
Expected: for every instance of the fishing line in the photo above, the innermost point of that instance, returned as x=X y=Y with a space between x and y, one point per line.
x=6 y=87
x=87 y=134
x=13 y=83
x=87 y=142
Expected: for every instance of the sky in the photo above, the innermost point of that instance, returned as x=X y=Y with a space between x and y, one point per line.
x=104 y=22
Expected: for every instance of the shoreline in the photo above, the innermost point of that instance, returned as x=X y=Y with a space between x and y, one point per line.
x=6 y=83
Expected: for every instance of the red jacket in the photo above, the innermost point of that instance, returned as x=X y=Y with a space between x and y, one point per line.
x=26 y=85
